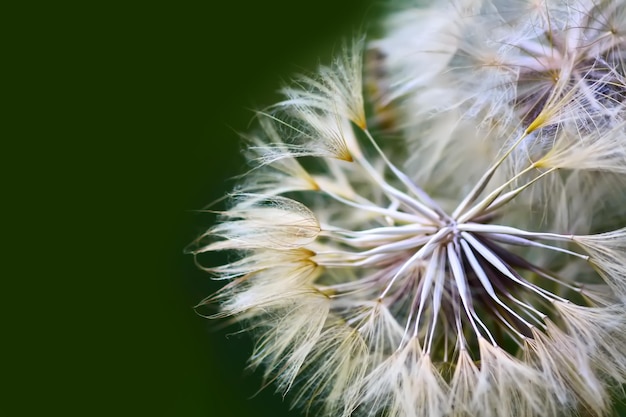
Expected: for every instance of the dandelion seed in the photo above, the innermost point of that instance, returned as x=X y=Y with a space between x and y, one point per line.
x=379 y=284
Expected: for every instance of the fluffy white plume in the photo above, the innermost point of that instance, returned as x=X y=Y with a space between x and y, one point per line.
x=472 y=265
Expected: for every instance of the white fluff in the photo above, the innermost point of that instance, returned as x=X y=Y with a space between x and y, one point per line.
x=459 y=270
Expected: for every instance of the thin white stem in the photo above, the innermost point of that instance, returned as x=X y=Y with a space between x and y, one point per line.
x=554 y=279
x=435 y=306
x=514 y=333
x=484 y=327
x=520 y=241
x=393 y=230
x=433 y=272
x=329 y=259
x=508 y=230
x=417 y=191
x=497 y=263
x=405 y=217
x=494 y=200
x=461 y=340
x=485 y=202
x=394 y=192
x=484 y=180
x=422 y=253
x=484 y=280
x=418 y=291
x=397 y=246
x=461 y=284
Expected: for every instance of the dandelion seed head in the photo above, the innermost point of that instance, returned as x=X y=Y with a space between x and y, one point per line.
x=417 y=276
